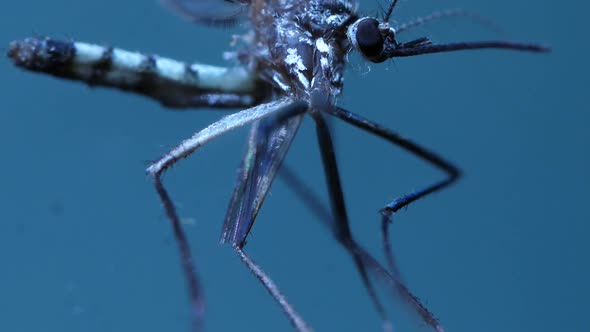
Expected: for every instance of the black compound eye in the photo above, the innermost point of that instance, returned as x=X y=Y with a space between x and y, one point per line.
x=369 y=38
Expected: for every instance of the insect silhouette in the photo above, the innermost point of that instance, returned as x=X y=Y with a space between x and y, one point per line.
x=290 y=64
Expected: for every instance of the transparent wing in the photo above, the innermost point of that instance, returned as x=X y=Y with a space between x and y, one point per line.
x=209 y=12
x=268 y=144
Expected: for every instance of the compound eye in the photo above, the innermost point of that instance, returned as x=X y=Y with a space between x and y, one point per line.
x=369 y=38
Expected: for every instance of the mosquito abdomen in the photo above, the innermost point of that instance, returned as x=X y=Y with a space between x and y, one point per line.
x=173 y=83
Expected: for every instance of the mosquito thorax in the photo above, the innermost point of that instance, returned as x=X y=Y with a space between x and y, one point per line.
x=369 y=37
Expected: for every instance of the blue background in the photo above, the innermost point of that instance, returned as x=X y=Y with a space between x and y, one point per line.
x=84 y=244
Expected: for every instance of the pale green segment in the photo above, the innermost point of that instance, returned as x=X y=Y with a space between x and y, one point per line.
x=129 y=68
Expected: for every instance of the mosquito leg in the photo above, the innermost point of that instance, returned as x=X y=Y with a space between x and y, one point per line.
x=274 y=291
x=311 y=199
x=183 y=150
x=227 y=123
x=387 y=212
x=340 y=226
x=194 y=285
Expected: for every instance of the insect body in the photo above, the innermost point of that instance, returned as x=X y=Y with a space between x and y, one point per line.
x=290 y=64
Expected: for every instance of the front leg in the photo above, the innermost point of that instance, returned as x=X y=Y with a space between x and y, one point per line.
x=173 y=83
x=184 y=149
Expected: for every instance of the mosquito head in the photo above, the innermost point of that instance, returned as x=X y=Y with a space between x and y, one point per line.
x=371 y=38
x=376 y=40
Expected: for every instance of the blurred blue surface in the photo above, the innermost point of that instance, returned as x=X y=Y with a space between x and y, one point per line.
x=84 y=244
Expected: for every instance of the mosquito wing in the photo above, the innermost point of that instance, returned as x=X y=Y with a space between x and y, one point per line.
x=210 y=12
x=267 y=146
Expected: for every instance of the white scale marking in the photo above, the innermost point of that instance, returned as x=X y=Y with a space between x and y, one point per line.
x=322 y=46
x=294 y=59
x=126 y=67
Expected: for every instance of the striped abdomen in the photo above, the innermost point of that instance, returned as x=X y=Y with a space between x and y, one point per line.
x=173 y=83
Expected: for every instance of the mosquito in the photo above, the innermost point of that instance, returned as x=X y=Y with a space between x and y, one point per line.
x=288 y=65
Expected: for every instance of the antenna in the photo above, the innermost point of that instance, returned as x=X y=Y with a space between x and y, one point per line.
x=389 y=11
